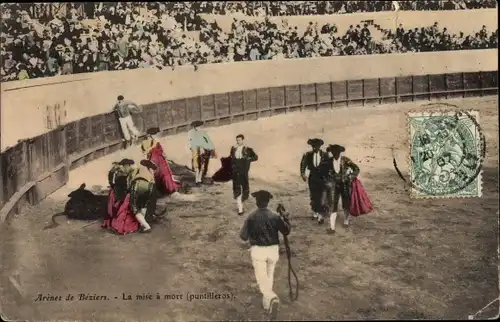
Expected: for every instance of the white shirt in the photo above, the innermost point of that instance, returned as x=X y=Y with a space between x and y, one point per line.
x=336 y=165
x=238 y=154
x=316 y=159
x=395 y=4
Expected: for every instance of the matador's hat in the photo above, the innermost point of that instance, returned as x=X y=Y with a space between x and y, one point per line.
x=315 y=142
x=263 y=195
x=335 y=148
x=126 y=162
x=148 y=164
x=153 y=130
x=196 y=123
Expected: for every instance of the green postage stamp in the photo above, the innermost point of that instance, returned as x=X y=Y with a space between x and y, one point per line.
x=446 y=153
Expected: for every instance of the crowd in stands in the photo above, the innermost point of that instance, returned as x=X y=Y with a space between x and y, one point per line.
x=144 y=35
x=436 y=39
x=292 y=8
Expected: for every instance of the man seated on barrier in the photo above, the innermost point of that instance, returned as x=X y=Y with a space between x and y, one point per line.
x=142 y=193
x=165 y=181
x=124 y=110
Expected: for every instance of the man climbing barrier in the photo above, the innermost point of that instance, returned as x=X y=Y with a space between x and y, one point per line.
x=123 y=109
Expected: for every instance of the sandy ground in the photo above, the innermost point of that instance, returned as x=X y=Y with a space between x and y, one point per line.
x=409 y=259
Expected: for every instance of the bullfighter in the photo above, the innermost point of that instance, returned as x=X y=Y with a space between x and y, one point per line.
x=241 y=158
x=202 y=149
x=338 y=171
x=311 y=161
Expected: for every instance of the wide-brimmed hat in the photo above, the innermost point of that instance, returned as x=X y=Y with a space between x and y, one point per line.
x=335 y=148
x=148 y=164
x=263 y=195
x=126 y=162
x=315 y=142
x=197 y=123
x=153 y=130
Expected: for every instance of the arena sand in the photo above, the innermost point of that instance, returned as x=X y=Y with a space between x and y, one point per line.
x=409 y=259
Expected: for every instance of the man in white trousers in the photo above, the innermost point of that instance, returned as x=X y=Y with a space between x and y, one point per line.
x=202 y=149
x=261 y=229
x=123 y=109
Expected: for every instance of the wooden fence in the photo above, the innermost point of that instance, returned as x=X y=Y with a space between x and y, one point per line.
x=35 y=168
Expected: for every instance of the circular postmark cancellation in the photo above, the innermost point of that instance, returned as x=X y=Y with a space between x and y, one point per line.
x=447 y=149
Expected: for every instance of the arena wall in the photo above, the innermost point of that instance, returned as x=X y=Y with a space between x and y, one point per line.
x=32 y=107
x=36 y=167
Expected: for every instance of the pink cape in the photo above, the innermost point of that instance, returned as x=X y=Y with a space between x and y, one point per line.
x=163 y=175
x=120 y=218
x=360 y=203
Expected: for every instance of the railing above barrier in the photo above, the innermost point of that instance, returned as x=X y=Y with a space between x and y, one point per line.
x=35 y=168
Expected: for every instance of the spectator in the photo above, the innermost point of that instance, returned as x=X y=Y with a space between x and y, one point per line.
x=143 y=35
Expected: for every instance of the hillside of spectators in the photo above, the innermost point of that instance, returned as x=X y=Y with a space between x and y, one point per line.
x=293 y=8
x=144 y=35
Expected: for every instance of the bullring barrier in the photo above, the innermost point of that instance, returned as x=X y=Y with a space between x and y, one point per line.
x=85 y=95
x=36 y=167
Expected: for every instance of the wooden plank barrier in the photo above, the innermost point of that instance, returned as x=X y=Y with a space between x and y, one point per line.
x=36 y=167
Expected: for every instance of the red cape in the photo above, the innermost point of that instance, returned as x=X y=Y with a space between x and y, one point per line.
x=120 y=218
x=163 y=175
x=360 y=203
x=224 y=174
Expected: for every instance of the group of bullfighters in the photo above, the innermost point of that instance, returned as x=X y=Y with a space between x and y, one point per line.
x=330 y=179
x=134 y=187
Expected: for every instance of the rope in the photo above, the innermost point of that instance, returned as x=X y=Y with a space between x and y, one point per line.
x=281 y=210
x=291 y=272
x=396 y=166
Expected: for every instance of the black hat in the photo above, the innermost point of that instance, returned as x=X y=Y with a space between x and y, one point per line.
x=262 y=195
x=148 y=164
x=315 y=142
x=126 y=162
x=153 y=130
x=335 y=148
x=120 y=98
x=196 y=123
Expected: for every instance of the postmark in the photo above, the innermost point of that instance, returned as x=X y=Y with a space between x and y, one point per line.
x=447 y=149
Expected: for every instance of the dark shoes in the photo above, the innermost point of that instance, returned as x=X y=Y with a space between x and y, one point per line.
x=331 y=231
x=273 y=309
x=145 y=231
